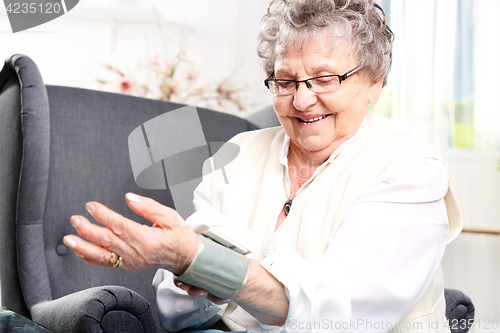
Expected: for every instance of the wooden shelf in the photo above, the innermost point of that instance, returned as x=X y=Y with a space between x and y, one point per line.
x=485 y=231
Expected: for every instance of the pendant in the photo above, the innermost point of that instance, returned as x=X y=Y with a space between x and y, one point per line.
x=288 y=206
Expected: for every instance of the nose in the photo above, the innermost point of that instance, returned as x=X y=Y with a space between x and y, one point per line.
x=303 y=97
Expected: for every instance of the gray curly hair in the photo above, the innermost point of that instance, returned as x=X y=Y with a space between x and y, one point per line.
x=363 y=22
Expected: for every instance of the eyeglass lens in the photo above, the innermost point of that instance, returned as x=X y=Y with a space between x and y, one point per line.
x=317 y=85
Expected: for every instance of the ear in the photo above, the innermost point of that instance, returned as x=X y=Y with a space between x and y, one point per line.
x=374 y=91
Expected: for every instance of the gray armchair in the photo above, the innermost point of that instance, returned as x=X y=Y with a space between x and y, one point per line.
x=61 y=147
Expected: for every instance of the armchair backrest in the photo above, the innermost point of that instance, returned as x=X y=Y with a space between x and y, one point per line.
x=61 y=147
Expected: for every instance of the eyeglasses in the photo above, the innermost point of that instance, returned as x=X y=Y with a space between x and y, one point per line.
x=318 y=84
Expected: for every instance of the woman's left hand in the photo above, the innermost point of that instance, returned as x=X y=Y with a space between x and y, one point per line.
x=168 y=244
x=194 y=291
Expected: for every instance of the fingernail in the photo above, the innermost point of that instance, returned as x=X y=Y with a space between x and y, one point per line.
x=179 y=285
x=201 y=293
x=70 y=242
x=90 y=208
x=132 y=197
x=74 y=221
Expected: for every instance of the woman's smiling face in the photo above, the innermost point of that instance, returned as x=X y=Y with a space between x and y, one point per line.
x=318 y=123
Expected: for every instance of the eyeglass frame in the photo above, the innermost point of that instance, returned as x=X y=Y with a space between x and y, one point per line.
x=309 y=84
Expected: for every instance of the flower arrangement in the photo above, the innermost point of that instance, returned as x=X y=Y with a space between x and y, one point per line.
x=176 y=80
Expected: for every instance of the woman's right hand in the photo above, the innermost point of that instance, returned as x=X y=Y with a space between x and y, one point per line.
x=168 y=244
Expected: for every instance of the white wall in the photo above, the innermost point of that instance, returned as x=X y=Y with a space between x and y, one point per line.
x=219 y=36
x=471 y=262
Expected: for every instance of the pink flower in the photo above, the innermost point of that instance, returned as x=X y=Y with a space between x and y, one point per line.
x=125 y=87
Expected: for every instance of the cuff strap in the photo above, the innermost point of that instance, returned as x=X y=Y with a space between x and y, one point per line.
x=217 y=269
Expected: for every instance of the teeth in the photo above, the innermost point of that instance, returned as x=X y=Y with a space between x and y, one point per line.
x=312 y=120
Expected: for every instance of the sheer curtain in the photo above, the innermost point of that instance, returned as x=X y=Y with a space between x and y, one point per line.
x=444 y=87
x=418 y=99
x=487 y=75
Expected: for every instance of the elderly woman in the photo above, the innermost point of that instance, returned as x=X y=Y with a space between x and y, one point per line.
x=352 y=219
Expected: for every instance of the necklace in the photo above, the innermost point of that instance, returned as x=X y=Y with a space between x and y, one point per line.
x=288 y=203
x=288 y=206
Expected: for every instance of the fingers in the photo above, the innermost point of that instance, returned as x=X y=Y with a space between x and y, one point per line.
x=191 y=290
x=104 y=241
x=155 y=212
x=88 y=252
x=104 y=237
x=122 y=231
x=147 y=246
x=217 y=300
x=163 y=246
x=194 y=291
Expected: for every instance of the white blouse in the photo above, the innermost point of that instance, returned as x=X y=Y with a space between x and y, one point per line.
x=374 y=271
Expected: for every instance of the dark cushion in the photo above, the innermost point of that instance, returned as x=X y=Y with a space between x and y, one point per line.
x=264 y=118
x=101 y=309
x=459 y=310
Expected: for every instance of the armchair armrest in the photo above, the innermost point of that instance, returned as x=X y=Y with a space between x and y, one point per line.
x=459 y=310
x=99 y=309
